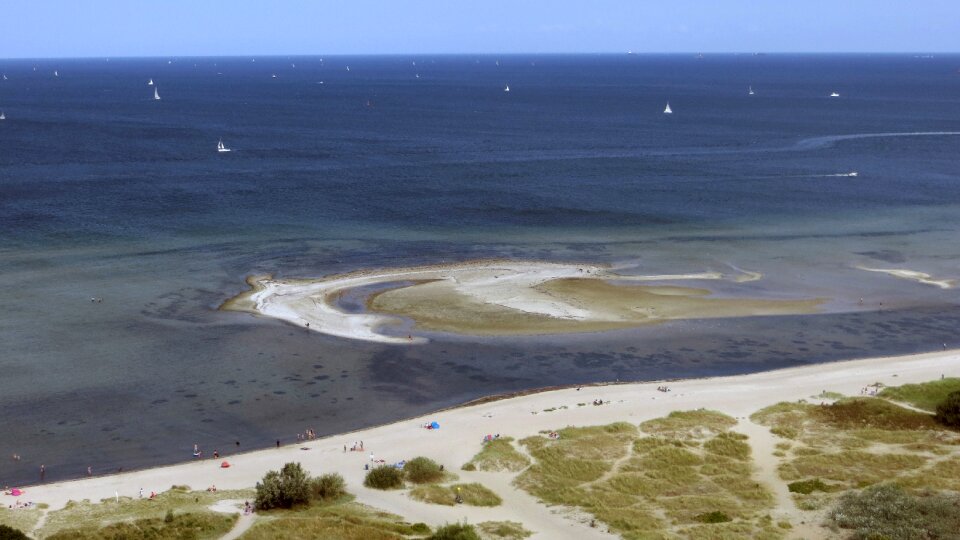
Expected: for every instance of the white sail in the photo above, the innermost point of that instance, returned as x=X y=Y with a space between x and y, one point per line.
x=4 y=76
x=667 y=109
x=834 y=94
x=156 y=93
x=56 y=73
x=506 y=88
x=750 y=91
x=150 y=82
x=221 y=147
x=3 y=116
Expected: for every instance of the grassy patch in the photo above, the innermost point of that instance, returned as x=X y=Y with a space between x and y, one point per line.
x=186 y=526
x=19 y=518
x=87 y=516
x=498 y=455
x=807 y=487
x=421 y=470
x=828 y=395
x=889 y=512
x=924 y=396
x=472 y=494
x=384 y=477
x=336 y=520
x=502 y=530
x=678 y=476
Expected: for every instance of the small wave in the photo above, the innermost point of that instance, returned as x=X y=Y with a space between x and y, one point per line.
x=828 y=140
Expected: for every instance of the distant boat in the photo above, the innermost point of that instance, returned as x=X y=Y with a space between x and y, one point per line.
x=274 y=76
x=294 y=66
x=750 y=92
x=506 y=88
x=348 y=68
x=56 y=73
x=150 y=82
x=2 y=116
x=156 y=93
x=4 y=76
x=221 y=148
x=853 y=173
x=834 y=94
x=667 y=109
x=418 y=75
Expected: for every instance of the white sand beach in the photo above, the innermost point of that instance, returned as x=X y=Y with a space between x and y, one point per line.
x=463 y=428
x=913 y=275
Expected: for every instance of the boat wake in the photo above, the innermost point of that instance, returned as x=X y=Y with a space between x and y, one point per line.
x=814 y=143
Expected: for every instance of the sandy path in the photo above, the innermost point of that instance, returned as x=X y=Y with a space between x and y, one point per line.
x=462 y=430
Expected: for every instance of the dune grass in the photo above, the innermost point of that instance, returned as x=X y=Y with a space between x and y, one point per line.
x=23 y=519
x=502 y=530
x=924 y=396
x=88 y=517
x=859 y=442
x=341 y=519
x=658 y=480
x=498 y=455
x=186 y=526
x=473 y=494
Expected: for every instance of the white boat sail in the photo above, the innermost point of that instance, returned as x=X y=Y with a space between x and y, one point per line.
x=150 y=82
x=4 y=76
x=221 y=148
x=834 y=94
x=506 y=88
x=156 y=93
x=750 y=91
x=56 y=73
x=2 y=116
x=667 y=109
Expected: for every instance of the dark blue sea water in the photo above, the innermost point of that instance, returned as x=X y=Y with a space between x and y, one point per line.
x=106 y=192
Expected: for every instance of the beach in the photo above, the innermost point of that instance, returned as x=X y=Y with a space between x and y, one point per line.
x=463 y=428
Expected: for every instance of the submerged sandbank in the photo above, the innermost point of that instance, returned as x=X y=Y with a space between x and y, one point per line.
x=500 y=298
x=913 y=275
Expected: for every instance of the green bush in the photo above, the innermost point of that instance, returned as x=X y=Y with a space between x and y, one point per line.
x=384 y=477
x=807 y=487
x=469 y=467
x=887 y=511
x=713 y=517
x=169 y=517
x=285 y=489
x=327 y=487
x=9 y=533
x=421 y=470
x=455 y=531
x=948 y=410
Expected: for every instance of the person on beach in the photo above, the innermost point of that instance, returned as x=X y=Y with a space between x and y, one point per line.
x=141 y=493
x=89 y=471
x=43 y=472
x=278 y=443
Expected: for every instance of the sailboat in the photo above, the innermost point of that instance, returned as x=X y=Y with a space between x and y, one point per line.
x=4 y=76
x=2 y=116
x=667 y=109
x=506 y=88
x=750 y=91
x=156 y=93
x=221 y=148
x=56 y=73
x=834 y=94
x=150 y=82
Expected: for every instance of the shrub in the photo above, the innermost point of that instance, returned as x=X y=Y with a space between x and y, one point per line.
x=9 y=533
x=327 y=487
x=455 y=531
x=469 y=467
x=384 y=477
x=421 y=470
x=284 y=489
x=169 y=517
x=713 y=517
x=887 y=511
x=948 y=410
x=807 y=487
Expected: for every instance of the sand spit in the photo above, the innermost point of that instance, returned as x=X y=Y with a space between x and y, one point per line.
x=913 y=275
x=497 y=297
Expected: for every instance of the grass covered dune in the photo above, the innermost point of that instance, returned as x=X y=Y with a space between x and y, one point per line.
x=779 y=454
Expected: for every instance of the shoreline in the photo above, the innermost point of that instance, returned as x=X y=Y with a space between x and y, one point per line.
x=926 y=363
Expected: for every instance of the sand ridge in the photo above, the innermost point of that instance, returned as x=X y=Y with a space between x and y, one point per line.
x=497 y=297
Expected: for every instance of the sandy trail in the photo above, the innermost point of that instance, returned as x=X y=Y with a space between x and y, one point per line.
x=462 y=430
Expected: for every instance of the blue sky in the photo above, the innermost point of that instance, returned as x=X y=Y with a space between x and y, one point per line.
x=69 y=28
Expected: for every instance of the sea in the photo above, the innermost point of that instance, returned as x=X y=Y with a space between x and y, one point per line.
x=344 y=163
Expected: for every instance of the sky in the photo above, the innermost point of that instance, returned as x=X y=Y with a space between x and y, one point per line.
x=97 y=28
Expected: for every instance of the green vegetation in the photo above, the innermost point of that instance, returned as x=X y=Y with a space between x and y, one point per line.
x=384 y=477
x=421 y=470
x=498 y=455
x=455 y=531
x=503 y=530
x=88 y=518
x=340 y=519
x=828 y=395
x=285 y=489
x=24 y=519
x=327 y=487
x=472 y=494
x=924 y=396
x=889 y=512
x=685 y=474
x=173 y=526
x=858 y=442
x=9 y=533
x=948 y=410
